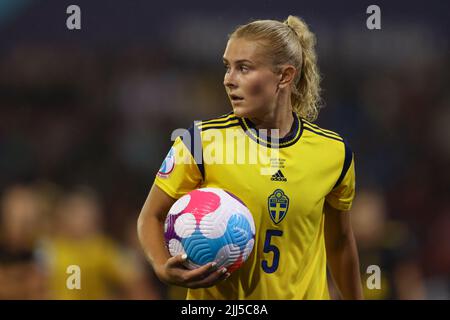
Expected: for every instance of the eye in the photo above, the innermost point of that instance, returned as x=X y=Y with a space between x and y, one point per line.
x=227 y=68
x=244 y=68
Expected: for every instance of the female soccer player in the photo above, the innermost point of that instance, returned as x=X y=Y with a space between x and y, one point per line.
x=300 y=209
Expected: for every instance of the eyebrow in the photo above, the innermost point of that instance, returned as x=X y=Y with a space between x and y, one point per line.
x=237 y=61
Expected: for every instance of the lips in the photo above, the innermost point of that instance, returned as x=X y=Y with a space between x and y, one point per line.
x=235 y=97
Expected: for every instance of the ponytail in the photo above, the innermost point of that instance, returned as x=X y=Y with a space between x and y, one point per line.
x=305 y=97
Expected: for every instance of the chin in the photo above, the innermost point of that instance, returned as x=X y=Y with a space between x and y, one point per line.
x=242 y=112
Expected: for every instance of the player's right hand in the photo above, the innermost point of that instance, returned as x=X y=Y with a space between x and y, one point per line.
x=174 y=272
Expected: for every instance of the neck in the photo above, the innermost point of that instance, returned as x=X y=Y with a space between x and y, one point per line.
x=281 y=119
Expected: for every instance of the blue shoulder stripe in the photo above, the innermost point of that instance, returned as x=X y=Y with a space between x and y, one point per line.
x=217 y=118
x=347 y=161
x=224 y=126
x=226 y=120
x=324 y=134
x=193 y=142
x=315 y=126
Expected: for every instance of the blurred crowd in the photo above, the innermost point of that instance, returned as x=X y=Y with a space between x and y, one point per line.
x=84 y=130
x=45 y=233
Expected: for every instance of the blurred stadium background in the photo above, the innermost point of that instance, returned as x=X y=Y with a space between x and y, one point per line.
x=86 y=118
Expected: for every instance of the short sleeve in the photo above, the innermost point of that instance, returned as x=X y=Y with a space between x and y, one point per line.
x=179 y=172
x=342 y=195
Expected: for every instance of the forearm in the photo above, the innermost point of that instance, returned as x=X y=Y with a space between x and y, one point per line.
x=151 y=237
x=343 y=263
x=150 y=227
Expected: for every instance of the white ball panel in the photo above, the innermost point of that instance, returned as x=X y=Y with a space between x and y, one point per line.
x=227 y=255
x=214 y=224
x=248 y=249
x=180 y=204
x=185 y=225
x=175 y=247
x=244 y=210
x=239 y=207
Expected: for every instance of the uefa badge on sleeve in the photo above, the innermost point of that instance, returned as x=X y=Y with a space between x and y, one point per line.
x=167 y=165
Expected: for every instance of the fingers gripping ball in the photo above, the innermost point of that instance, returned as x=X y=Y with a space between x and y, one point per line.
x=210 y=224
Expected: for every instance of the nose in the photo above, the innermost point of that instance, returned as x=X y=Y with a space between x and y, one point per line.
x=229 y=80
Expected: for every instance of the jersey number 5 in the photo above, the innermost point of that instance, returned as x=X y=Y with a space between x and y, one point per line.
x=268 y=247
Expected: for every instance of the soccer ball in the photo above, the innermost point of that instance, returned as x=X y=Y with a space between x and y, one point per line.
x=210 y=224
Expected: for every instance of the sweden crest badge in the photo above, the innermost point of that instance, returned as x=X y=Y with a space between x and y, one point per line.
x=278 y=204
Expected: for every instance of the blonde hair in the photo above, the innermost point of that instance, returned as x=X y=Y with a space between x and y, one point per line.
x=290 y=42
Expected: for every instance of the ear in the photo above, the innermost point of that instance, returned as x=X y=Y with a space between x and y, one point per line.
x=288 y=73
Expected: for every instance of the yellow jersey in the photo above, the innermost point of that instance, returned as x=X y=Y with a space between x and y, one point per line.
x=101 y=264
x=285 y=190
